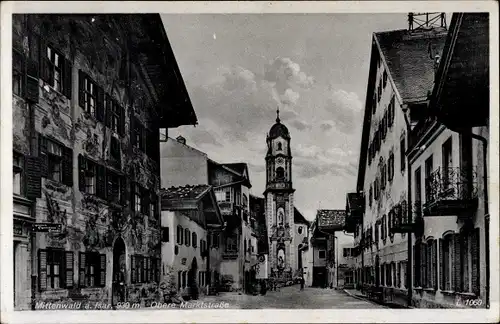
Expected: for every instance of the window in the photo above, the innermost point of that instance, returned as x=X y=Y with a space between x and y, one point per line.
x=144 y=269
x=447 y=162
x=228 y=196
x=113 y=114
x=280 y=173
x=180 y=235
x=163 y=134
x=428 y=172
x=417 y=264
x=384 y=227
x=245 y=246
x=137 y=198
x=88 y=171
x=382 y=274
x=18 y=174
x=279 y=147
x=402 y=146
x=322 y=254
x=370 y=196
x=384 y=77
x=54 y=65
x=388 y=269
x=138 y=134
x=194 y=240
x=153 y=206
x=114 y=149
x=55 y=269
x=231 y=245
x=187 y=237
x=17 y=73
x=250 y=247
x=89 y=93
x=214 y=241
x=391 y=113
x=299 y=230
x=418 y=185
x=113 y=186
x=54 y=161
x=383 y=177
x=203 y=246
x=92 y=269
x=165 y=234
x=390 y=166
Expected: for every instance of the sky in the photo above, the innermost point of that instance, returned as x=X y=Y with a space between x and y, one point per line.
x=239 y=68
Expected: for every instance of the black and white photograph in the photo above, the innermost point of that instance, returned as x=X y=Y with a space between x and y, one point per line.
x=177 y=161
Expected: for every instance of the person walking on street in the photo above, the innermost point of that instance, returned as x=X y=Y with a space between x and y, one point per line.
x=302 y=283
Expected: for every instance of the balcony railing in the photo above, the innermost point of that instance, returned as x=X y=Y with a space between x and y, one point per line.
x=450 y=191
x=399 y=220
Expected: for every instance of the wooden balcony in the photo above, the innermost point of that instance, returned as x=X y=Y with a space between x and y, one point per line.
x=451 y=191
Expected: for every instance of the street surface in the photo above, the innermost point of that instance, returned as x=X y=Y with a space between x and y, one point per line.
x=293 y=298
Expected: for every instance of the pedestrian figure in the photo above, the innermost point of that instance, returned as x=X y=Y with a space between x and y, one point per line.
x=121 y=284
x=302 y=283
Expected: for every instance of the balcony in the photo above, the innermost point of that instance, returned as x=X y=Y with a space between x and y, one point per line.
x=400 y=222
x=230 y=255
x=226 y=207
x=451 y=191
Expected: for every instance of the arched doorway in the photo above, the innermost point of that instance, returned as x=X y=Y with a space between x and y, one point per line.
x=377 y=271
x=119 y=287
x=192 y=283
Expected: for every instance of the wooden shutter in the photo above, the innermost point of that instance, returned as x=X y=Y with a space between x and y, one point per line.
x=44 y=60
x=82 y=167
x=133 y=274
x=102 y=267
x=32 y=92
x=99 y=113
x=476 y=256
x=69 y=268
x=442 y=276
x=121 y=124
x=101 y=181
x=108 y=109
x=456 y=263
x=434 y=264
x=67 y=77
x=67 y=166
x=42 y=270
x=44 y=158
x=81 y=89
x=132 y=131
x=82 y=265
x=33 y=177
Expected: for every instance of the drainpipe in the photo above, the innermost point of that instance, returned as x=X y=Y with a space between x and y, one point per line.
x=409 y=269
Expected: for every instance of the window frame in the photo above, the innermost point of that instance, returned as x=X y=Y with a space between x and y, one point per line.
x=50 y=276
x=55 y=66
x=89 y=92
x=18 y=168
x=54 y=159
x=18 y=68
x=321 y=254
x=180 y=235
x=187 y=237
x=194 y=239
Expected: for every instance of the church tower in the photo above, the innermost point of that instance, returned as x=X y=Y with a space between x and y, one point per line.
x=279 y=207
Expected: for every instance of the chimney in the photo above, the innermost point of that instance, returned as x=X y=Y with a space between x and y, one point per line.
x=181 y=139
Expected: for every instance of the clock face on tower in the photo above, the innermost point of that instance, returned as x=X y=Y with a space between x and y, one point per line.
x=280 y=160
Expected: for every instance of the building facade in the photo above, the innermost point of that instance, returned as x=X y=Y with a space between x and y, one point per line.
x=401 y=74
x=191 y=230
x=231 y=184
x=86 y=119
x=448 y=161
x=279 y=203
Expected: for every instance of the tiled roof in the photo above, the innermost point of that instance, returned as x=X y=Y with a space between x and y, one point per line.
x=407 y=56
x=330 y=217
x=298 y=217
x=355 y=201
x=184 y=192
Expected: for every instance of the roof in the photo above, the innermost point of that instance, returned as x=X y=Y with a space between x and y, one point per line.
x=238 y=167
x=298 y=218
x=327 y=218
x=406 y=54
x=185 y=192
x=278 y=130
x=407 y=58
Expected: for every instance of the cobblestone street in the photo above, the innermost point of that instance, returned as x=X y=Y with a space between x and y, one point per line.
x=292 y=298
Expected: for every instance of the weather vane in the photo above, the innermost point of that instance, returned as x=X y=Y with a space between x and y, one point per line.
x=278 y=115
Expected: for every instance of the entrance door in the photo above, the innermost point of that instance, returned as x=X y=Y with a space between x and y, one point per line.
x=377 y=271
x=119 y=287
x=192 y=284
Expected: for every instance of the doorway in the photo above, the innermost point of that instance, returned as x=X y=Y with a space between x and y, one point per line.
x=119 y=287
x=377 y=271
x=192 y=284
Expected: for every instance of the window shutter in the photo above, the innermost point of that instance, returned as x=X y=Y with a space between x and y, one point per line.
x=123 y=190
x=33 y=177
x=81 y=89
x=67 y=77
x=133 y=268
x=67 y=166
x=121 y=127
x=42 y=269
x=82 y=266
x=465 y=262
x=44 y=158
x=82 y=167
x=108 y=109
x=456 y=262
x=476 y=256
x=100 y=104
x=69 y=268
x=442 y=277
x=102 y=273
x=101 y=181
x=132 y=130
x=43 y=59
x=434 y=264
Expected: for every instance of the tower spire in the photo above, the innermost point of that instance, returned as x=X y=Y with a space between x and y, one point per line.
x=278 y=115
